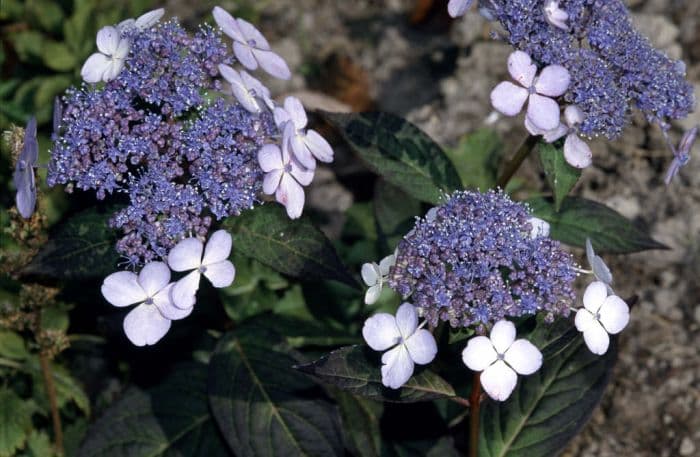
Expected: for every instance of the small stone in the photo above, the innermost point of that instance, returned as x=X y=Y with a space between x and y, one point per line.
x=687 y=447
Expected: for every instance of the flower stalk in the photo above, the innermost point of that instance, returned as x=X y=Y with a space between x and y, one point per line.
x=53 y=403
x=514 y=164
x=475 y=403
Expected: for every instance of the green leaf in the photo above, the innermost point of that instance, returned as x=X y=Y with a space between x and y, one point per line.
x=394 y=209
x=560 y=175
x=12 y=346
x=80 y=248
x=47 y=13
x=15 y=422
x=356 y=369
x=398 y=151
x=579 y=218
x=549 y=407
x=75 y=28
x=172 y=419
x=293 y=247
x=58 y=57
x=361 y=428
x=38 y=445
x=263 y=406
x=67 y=387
x=476 y=159
x=28 y=45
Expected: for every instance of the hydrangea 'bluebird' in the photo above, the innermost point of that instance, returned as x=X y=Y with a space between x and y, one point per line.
x=475 y=263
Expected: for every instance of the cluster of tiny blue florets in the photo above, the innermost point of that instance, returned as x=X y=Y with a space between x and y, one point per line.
x=152 y=135
x=475 y=263
x=612 y=66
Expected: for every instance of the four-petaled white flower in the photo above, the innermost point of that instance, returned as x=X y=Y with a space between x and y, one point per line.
x=307 y=145
x=501 y=358
x=250 y=46
x=106 y=64
x=602 y=314
x=374 y=276
x=539 y=229
x=284 y=177
x=214 y=265
x=555 y=15
x=246 y=89
x=150 y=320
x=143 y=22
x=600 y=269
x=576 y=152
x=457 y=8
x=410 y=343
x=542 y=110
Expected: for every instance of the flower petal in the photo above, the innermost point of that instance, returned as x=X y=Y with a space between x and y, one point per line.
x=108 y=39
x=273 y=64
x=543 y=112
x=479 y=353
x=573 y=115
x=299 y=148
x=550 y=136
x=373 y=293
x=421 y=347
x=397 y=368
x=523 y=357
x=380 y=331
x=165 y=305
x=270 y=158
x=532 y=128
x=281 y=116
x=218 y=247
x=594 y=296
x=457 y=8
x=540 y=228
x=154 y=277
x=186 y=255
x=386 y=263
x=596 y=339
x=502 y=335
x=122 y=289
x=521 y=68
x=291 y=195
x=303 y=175
x=553 y=81
x=220 y=274
x=271 y=181
x=148 y=19
x=584 y=320
x=370 y=273
x=297 y=113
x=227 y=24
x=499 y=380
x=508 y=98
x=407 y=320
x=94 y=67
x=245 y=56
x=614 y=314
x=252 y=35
x=25 y=199
x=185 y=289
x=576 y=152
x=145 y=325
x=113 y=69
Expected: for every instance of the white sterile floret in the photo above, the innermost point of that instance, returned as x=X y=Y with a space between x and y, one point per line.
x=143 y=22
x=247 y=89
x=600 y=269
x=106 y=64
x=214 y=265
x=555 y=15
x=540 y=228
x=602 y=314
x=501 y=358
x=306 y=144
x=410 y=344
x=374 y=276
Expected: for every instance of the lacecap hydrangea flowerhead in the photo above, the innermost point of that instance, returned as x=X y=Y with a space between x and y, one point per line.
x=611 y=69
x=165 y=122
x=479 y=261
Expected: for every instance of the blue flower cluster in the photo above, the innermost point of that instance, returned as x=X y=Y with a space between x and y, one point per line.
x=152 y=134
x=474 y=262
x=611 y=65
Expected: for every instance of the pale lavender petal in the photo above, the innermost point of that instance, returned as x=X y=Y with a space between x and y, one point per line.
x=148 y=19
x=122 y=289
x=614 y=314
x=596 y=339
x=122 y=50
x=245 y=56
x=502 y=335
x=543 y=112
x=186 y=255
x=370 y=273
x=553 y=135
x=407 y=319
x=303 y=175
x=94 y=67
x=25 y=199
x=245 y=98
x=576 y=151
x=380 y=331
x=523 y=357
x=521 y=68
x=291 y=195
x=299 y=148
x=145 y=325
x=532 y=128
x=154 y=277
x=272 y=64
x=108 y=40
x=386 y=263
x=270 y=158
x=479 y=353
x=318 y=146
x=218 y=247
x=584 y=320
x=112 y=70
x=220 y=274
x=229 y=74
x=594 y=296
x=555 y=15
x=271 y=181
x=508 y=98
x=499 y=380
x=227 y=24
x=296 y=111
x=397 y=367
x=573 y=115
x=164 y=304
x=252 y=35
x=421 y=347
x=457 y=8
x=183 y=293
x=539 y=229
x=281 y=116
x=673 y=170
x=553 y=81
x=373 y=293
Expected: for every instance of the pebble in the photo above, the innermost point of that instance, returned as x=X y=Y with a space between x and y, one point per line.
x=687 y=447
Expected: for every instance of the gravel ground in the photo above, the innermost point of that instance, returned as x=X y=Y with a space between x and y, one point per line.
x=368 y=54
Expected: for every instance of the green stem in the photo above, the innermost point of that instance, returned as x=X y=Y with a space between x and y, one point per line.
x=53 y=403
x=474 y=400
x=514 y=164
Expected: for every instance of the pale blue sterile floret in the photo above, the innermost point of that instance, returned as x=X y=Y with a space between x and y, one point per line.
x=475 y=263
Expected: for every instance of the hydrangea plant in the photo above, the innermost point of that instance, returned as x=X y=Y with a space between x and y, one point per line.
x=187 y=179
